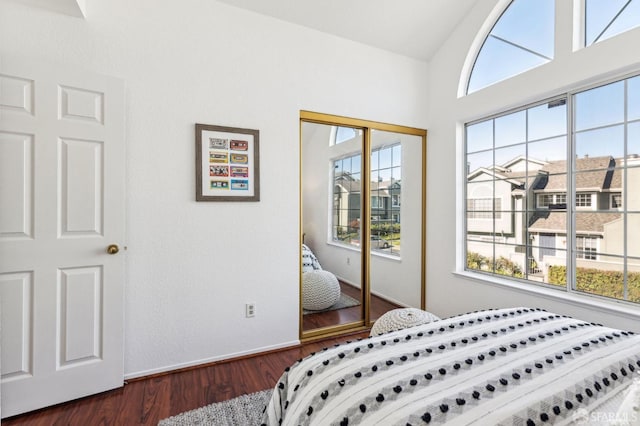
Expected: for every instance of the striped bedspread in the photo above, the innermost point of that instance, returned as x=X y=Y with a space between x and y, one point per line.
x=517 y=366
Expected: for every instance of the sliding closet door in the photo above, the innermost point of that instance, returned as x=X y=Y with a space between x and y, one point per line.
x=362 y=216
x=331 y=216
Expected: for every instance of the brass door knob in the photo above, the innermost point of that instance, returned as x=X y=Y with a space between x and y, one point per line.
x=113 y=249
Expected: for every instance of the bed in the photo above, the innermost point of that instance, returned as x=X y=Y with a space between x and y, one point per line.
x=516 y=366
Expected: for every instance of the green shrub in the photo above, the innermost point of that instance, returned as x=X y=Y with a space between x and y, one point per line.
x=598 y=281
x=502 y=266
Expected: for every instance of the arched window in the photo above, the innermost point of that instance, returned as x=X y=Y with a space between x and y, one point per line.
x=523 y=38
x=607 y=18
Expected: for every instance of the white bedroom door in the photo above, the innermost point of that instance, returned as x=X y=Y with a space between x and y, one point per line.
x=61 y=207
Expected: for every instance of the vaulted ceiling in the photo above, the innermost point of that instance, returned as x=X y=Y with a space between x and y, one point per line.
x=413 y=28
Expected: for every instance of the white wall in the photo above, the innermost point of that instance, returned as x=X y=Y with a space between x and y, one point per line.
x=192 y=266
x=448 y=293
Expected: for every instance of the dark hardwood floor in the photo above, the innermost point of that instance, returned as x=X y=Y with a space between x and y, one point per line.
x=344 y=316
x=146 y=401
x=149 y=400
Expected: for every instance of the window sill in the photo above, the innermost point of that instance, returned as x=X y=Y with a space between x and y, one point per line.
x=373 y=252
x=584 y=301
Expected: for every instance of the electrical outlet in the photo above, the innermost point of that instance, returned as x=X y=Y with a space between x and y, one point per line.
x=250 y=309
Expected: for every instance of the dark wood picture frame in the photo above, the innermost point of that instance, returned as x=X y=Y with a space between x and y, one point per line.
x=227 y=163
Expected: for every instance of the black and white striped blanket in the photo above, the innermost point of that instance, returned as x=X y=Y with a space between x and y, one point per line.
x=516 y=366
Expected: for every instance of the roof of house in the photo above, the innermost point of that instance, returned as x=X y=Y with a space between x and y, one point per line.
x=594 y=174
x=556 y=222
x=383 y=187
x=597 y=173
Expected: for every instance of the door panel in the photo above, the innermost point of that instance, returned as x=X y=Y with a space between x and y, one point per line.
x=16 y=151
x=80 y=188
x=62 y=176
x=16 y=292
x=80 y=298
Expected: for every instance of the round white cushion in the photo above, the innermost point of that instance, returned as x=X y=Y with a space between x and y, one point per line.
x=397 y=319
x=320 y=289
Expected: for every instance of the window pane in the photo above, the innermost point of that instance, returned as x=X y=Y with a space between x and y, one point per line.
x=479 y=256
x=547 y=120
x=385 y=158
x=548 y=223
x=530 y=24
x=632 y=187
x=607 y=282
x=606 y=229
x=480 y=208
x=480 y=136
x=607 y=18
x=606 y=142
x=552 y=263
x=522 y=38
x=550 y=183
x=600 y=106
x=511 y=129
x=509 y=261
x=397 y=155
x=480 y=160
x=633 y=242
x=344 y=134
x=504 y=156
x=498 y=61
x=633 y=139
x=375 y=160
x=633 y=98
x=553 y=273
x=548 y=151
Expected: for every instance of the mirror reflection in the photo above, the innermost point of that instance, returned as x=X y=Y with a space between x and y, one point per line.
x=395 y=262
x=331 y=212
x=345 y=200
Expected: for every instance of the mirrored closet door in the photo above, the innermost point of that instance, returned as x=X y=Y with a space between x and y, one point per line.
x=362 y=221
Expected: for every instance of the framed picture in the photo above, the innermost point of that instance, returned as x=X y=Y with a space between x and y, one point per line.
x=227 y=163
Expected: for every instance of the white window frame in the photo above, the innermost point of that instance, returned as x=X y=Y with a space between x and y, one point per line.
x=620 y=202
x=587 y=247
x=556 y=198
x=581 y=200
x=494 y=209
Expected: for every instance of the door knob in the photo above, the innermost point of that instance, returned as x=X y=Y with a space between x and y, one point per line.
x=113 y=249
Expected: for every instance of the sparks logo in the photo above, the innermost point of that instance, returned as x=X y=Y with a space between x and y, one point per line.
x=580 y=417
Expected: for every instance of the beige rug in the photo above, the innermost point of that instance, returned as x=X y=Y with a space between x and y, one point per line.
x=245 y=410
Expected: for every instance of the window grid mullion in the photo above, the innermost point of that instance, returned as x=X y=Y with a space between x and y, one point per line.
x=625 y=217
x=571 y=197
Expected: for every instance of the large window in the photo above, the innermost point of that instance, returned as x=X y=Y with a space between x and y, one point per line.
x=523 y=37
x=386 y=192
x=573 y=219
